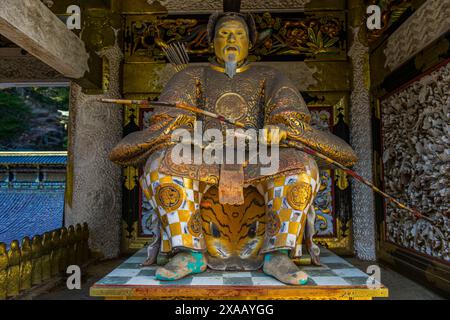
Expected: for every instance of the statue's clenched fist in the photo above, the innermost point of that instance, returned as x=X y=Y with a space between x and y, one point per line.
x=272 y=134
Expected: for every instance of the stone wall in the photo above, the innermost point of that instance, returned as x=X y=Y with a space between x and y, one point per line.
x=94 y=193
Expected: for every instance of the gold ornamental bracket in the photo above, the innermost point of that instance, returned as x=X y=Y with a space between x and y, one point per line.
x=101 y=30
x=101 y=25
x=131 y=174
x=341 y=179
x=340 y=110
x=101 y=74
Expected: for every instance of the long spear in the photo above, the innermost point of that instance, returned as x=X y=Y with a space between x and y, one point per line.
x=184 y=106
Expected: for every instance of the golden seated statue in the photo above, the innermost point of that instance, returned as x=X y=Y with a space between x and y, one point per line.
x=232 y=216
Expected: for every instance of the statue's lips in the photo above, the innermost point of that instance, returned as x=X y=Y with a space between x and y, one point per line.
x=231 y=49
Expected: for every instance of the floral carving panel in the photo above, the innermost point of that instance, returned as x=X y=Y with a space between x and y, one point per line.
x=300 y=36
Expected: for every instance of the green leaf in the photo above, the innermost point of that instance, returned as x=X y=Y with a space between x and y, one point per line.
x=397 y=14
x=331 y=42
x=311 y=35
x=289 y=52
x=311 y=45
x=320 y=39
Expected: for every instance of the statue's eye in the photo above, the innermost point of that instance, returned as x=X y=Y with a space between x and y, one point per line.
x=214 y=230
x=252 y=229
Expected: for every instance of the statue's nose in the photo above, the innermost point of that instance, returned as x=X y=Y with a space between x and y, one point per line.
x=231 y=38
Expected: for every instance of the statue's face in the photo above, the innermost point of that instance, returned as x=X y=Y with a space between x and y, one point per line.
x=231 y=41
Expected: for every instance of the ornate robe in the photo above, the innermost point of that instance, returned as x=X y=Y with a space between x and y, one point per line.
x=256 y=96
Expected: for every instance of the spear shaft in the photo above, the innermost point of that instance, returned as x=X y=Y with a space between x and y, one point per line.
x=290 y=143
x=178 y=105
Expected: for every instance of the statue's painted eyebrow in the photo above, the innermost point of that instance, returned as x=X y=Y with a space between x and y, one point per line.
x=234 y=29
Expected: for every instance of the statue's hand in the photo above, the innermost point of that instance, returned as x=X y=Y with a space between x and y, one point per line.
x=272 y=134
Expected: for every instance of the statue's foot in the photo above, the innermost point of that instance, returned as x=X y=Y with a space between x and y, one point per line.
x=152 y=255
x=181 y=265
x=148 y=262
x=280 y=266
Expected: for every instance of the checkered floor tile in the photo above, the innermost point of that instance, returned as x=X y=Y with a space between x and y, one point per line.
x=334 y=271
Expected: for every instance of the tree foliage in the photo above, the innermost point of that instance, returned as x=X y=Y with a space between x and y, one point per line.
x=54 y=96
x=31 y=119
x=14 y=115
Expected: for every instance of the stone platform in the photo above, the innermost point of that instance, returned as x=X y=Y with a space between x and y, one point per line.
x=336 y=279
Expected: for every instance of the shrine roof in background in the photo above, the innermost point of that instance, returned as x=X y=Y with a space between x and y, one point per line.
x=28 y=212
x=32 y=186
x=33 y=158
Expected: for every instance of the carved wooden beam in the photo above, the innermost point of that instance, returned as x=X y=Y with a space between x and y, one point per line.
x=16 y=66
x=33 y=27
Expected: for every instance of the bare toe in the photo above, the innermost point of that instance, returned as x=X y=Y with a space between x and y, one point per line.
x=281 y=267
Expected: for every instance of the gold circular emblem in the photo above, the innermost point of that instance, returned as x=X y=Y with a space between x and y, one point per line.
x=231 y=105
x=195 y=224
x=170 y=196
x=273 y=224
x=299 y=195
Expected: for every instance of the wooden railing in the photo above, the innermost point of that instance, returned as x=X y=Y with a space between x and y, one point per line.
x=41 y=258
